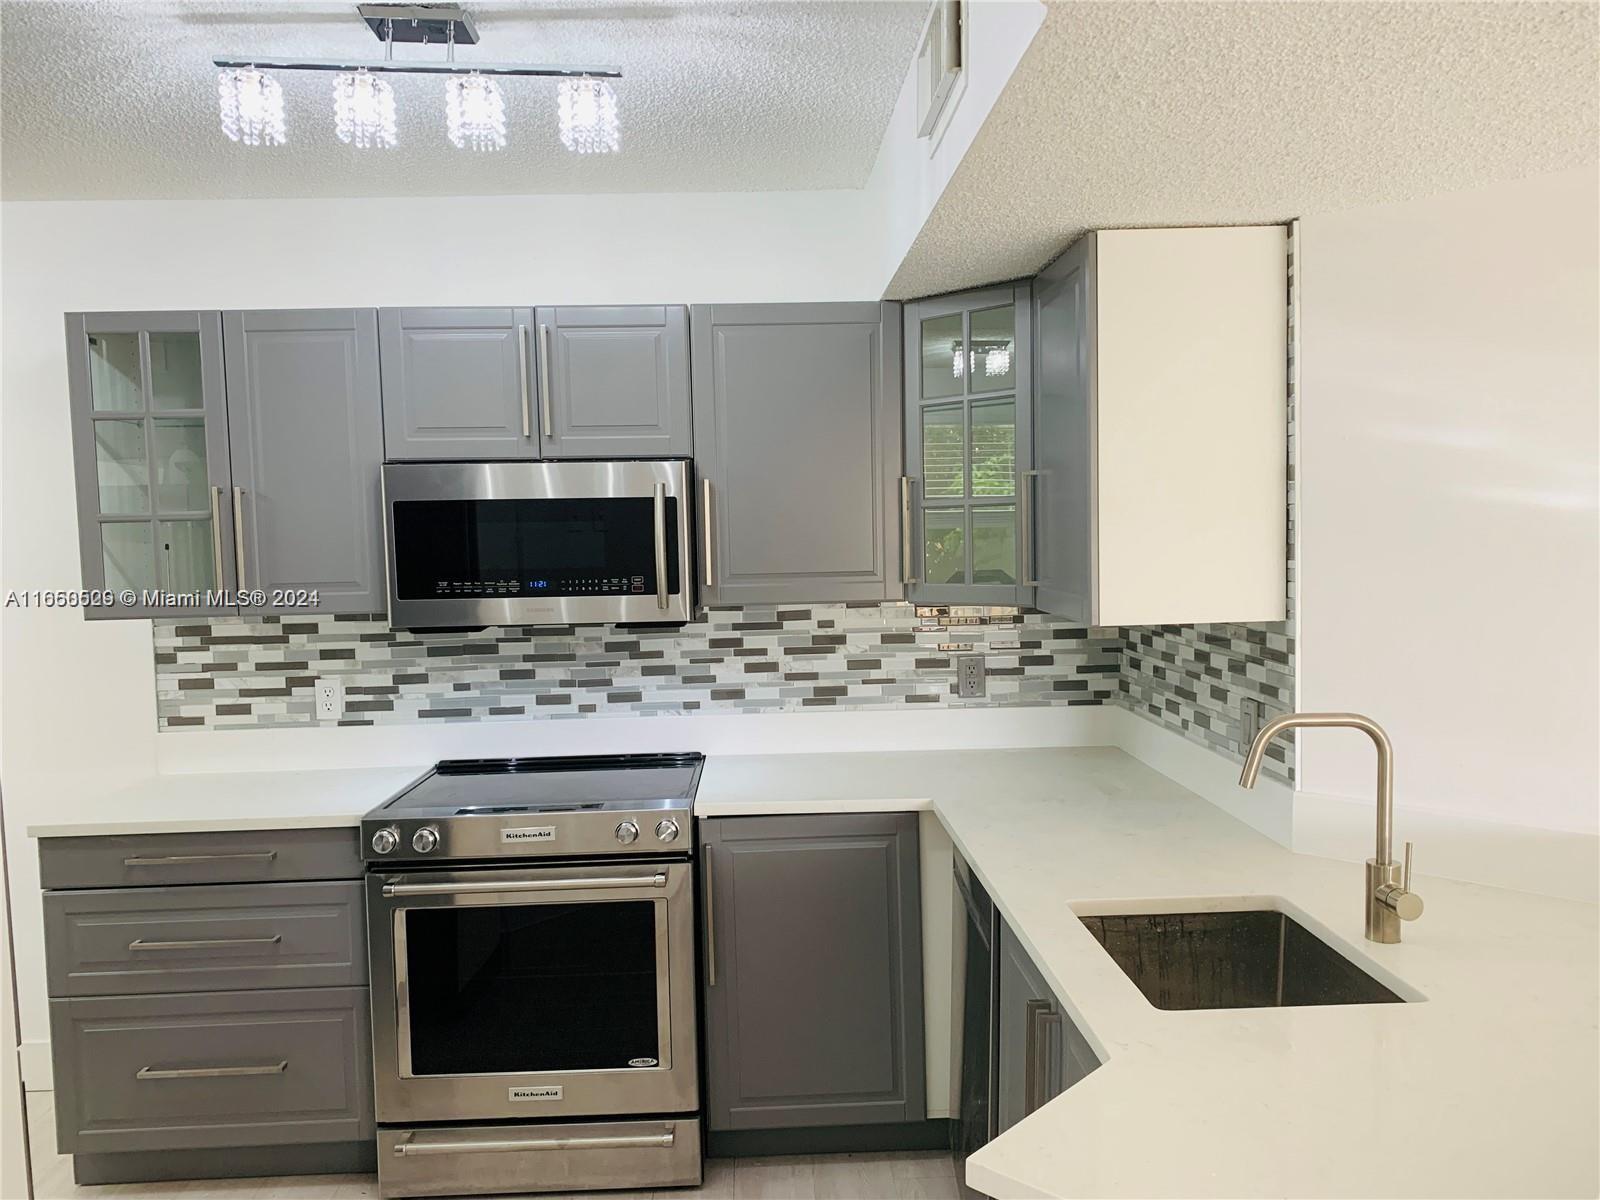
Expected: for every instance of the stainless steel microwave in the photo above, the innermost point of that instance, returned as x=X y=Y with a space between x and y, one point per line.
x=538 y=543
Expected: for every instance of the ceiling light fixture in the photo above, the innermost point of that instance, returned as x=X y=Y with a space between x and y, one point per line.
x=588 y=112
x=475 y=113
x=252 y=106
x=475 y=109
x=363 y=110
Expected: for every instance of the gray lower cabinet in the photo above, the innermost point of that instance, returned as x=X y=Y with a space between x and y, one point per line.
x=458 y=383
x=109 y=941
x=212 y=1069
x=614 y=381
x=154 y=859
x=209 y=1013
x=797 y=445
x=305 y=429
x=813 y=971
x=1039 y=1051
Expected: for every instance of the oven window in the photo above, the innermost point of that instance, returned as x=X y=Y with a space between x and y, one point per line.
x=520 y=548
x=499 y=989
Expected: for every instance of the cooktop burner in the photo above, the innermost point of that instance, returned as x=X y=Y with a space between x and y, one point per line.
x=539 y=807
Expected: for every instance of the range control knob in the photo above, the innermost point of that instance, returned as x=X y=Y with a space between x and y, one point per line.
x=425 y=839
x=385 y=840
x=627 y=833
x=666 y=830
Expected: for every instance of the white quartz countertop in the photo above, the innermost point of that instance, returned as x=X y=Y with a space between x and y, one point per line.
x=1485 y=1086
x=226 y=801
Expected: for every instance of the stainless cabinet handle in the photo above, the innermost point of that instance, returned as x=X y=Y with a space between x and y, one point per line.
x=277 y=1068
x=705 y=531
x=905 y=530
x=178 y=860
x=1025 y=551
x=1031 y=1072
x=204 y=943
x=546 y=418
x=641 y=1141
x=661 y=545
x=238 y=536
x=216 y=536
x=522 y=380
x=711 y=927
x=658 y=880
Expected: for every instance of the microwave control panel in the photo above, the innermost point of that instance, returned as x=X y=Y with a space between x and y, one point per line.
x=550 y=584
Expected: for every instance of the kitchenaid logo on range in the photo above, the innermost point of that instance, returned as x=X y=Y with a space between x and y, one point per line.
x=552 y=1092
x=528 y=833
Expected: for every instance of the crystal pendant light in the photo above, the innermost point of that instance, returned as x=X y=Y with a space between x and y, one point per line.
x=998 y=360
x=958 y=360
x=588 y=112
x=475 y=113
x=252 y=107
x=363 y=110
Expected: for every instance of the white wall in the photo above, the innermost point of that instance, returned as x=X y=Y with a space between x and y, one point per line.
x=1450 y=384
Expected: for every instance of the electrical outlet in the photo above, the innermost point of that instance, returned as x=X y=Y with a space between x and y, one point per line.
x=969 y=675
x=1252 y=714
x=330 y=699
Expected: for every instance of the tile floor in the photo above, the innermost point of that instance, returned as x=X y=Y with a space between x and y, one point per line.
x=821 y=1177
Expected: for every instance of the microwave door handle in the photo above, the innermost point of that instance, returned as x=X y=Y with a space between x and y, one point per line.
x=661 y=546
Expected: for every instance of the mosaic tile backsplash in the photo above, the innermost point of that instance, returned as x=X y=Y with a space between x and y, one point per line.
x=237 y=673
x=234 y=672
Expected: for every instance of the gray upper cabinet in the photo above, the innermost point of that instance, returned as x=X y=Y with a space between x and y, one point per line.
x=968 y=492
x=797 y=446
x=1064 y=313
x=614 y=382
x=457 y=383
x=150 y=445
x=813 y=971
x=305 y=429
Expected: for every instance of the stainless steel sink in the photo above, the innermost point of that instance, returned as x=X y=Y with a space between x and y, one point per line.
x=1253 y=959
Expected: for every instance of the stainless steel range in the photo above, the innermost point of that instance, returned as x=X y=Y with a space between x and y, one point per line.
x=531 y=936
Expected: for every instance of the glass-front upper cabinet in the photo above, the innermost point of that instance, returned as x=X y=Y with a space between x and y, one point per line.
x=968 y=448
x=150 y=441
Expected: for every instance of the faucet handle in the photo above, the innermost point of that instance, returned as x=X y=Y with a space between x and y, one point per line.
x=1398 y=898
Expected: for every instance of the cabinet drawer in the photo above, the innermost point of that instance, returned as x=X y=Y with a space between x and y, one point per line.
x=211 y=1069
x=250 y=856
x=106 y=942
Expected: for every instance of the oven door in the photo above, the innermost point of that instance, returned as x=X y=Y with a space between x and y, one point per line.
x=533 y=993
x=538 y=543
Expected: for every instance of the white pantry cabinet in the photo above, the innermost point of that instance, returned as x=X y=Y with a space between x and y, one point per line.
x=1160 y=493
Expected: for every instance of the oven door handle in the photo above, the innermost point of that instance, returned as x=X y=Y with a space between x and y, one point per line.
x=658 y=880
x=641 y=1141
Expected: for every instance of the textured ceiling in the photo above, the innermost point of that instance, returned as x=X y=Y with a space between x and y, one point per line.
x=1128 y=114
x=118 y=98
